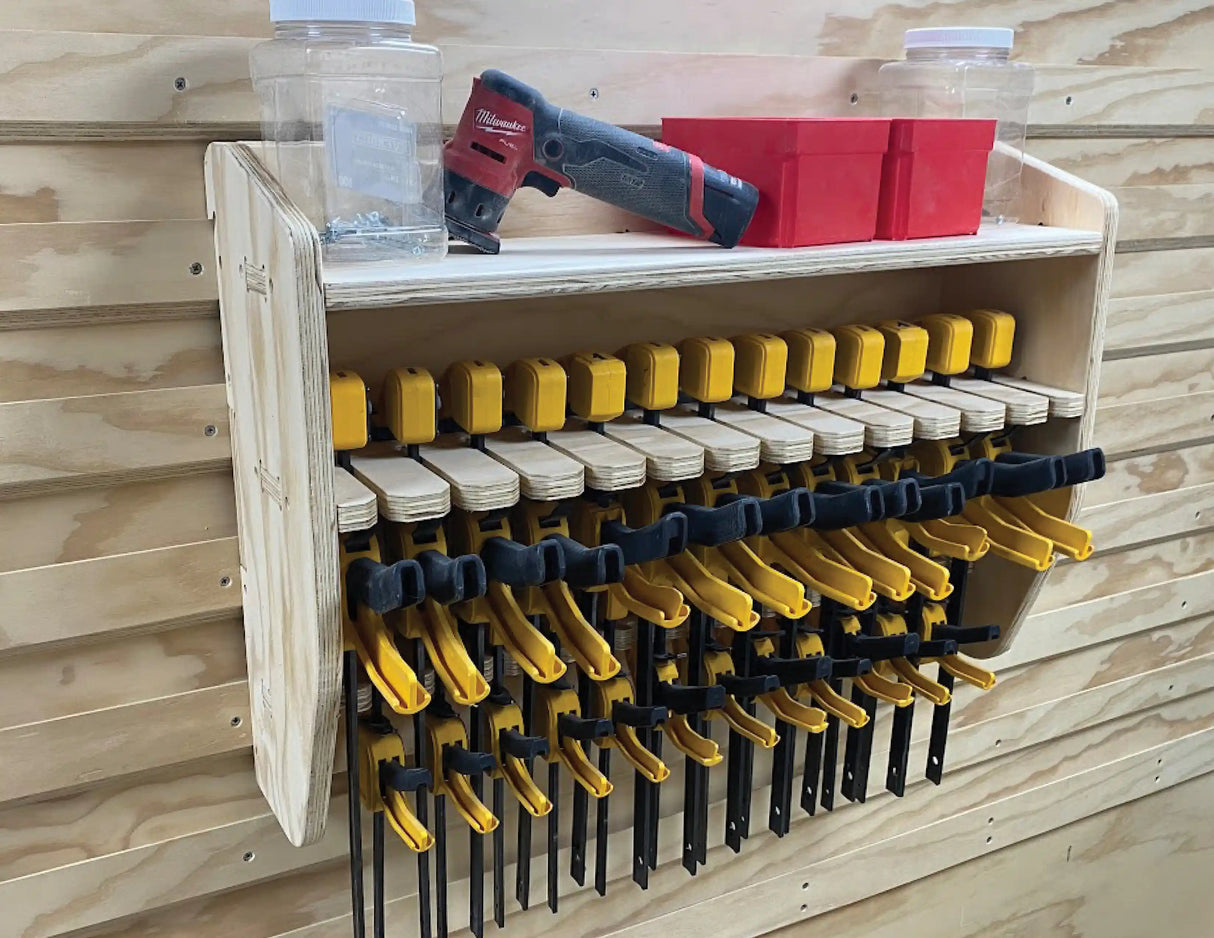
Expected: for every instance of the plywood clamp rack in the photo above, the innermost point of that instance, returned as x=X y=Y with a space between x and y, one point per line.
x=287 y=320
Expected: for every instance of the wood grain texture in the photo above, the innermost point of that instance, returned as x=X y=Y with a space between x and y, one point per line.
x=80 y=524
x=126 y=592
x=1150 y=517
x=1120 y=571
x=1151 y=377
x=1125 y=429
x=118 y=263
x=1137 y=323
x=1116 y=161
x=277 y=384
x=1156 y=212
x=107 y=438
x=1151 y=273
x=59 y=681
x=125 y=813
x=1153 y=475
x=1106 y=876
x=107 y=359
x=73 y=182
x=87 y=748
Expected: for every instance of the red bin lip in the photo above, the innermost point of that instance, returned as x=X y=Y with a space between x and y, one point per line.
x=783 y=136
x=909 y=134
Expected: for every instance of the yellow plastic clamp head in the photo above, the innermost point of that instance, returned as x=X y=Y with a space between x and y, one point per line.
x=348 y=405
x=905 y=357
x=950 y=339
x=859 y=353
x=994 y=334
x=761 y=366
x=472 y=396
x=811 y=360
x=410 y=405
x=552 y=703
x=606 y=694
x=504 y=718
x=449 y=731
x=375 y=748
x=653 y=375
x=706 y=369
x=597 y=385
x=535 y=393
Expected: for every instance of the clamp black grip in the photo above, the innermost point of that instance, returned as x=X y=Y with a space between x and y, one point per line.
x=783 y=512
x=463 y=761
x=514 y=743
x=884 y=647
x=841 y=505
x=967 y=636
x=382 y=588
x=520 y=565
x=943 y=500
x=687 y=698
x=728 y=522
x=1085 y=466
x=664 y=538
x=589 y=566
x=937 y=648
x=975 y=476
x=1014 y=474
x=394 y=776
x=452 y=579
x=583 y=728
x=898 y=498
x=630 y=714
x=792 y=671
x=849 y=667
x=751 y=685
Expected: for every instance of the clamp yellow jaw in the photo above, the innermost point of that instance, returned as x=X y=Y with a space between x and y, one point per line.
x=410 y=405
x=369 y=635
x=706 y=369
x=472 y=396
x=606 y=695
x=504 y=718
x=859 y=355
x=552 y=703
x=718 y=664
x=699 y=748
x=535 y=393
x=905 y=356
x=811 y=360
x=653 y=375
x=374 y=748
x=958 y=666
x=444 y=732
x=597 y=385
x=950 y=340
x=994 y=334
x=761 y=365
x=348 y=410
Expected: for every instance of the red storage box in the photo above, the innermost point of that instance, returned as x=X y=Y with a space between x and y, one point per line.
x=818 y=178
x=933 y=178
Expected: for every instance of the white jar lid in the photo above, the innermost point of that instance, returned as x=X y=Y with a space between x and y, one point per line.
x=959 y=37
x=343 y=11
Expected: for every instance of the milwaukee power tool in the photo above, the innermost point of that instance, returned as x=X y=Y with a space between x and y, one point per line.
x=509 y=136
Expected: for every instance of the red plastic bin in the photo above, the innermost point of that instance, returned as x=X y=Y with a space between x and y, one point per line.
x=933 y=178
x=818 y=178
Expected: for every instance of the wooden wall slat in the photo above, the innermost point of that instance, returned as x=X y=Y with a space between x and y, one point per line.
x=1111 y=162
x=118 y=263
x=126 y=813
x=1124 y=429
x=73 y=182
x=1150 y=517
x=56 y=682
x=79 y=360
x=87 y=748
x=1149 y=378
x=1084 y=31
x=1136 y=322
x=171 y=585
x=1107 y=875
x=112 y=438
x=80 y=524
x=1152 y=475
x=1153 y=212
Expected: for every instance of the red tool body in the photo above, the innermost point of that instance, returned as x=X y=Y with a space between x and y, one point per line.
x=510 y=136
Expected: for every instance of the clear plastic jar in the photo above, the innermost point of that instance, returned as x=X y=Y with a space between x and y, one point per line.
x=966 y=72
x=352 y=118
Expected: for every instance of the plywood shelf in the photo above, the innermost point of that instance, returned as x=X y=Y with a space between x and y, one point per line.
x=562 y=266
x=287 y=319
